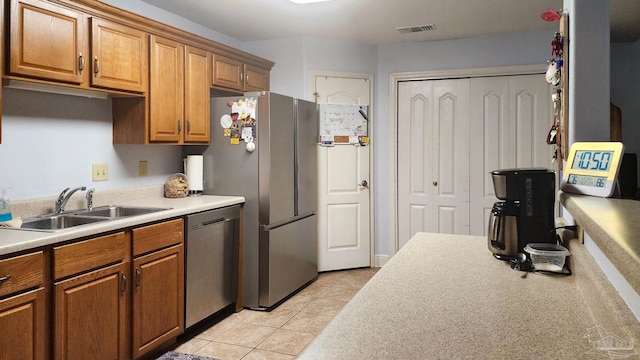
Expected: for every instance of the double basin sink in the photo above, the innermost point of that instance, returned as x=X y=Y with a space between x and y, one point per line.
x=53 y=222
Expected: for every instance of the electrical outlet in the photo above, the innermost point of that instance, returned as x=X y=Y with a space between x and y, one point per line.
x=142 y=168
x=100 y=172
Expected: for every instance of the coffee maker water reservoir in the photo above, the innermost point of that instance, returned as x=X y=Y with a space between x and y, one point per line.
x=526 y=214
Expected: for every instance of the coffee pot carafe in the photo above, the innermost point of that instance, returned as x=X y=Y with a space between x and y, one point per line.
x=526 y=212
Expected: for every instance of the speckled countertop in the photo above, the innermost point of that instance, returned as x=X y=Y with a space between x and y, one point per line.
x=445 y=297
x=614 y=225
x=12 y=240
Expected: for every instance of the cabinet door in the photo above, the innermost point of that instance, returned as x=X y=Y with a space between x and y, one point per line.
x=47 y=41
x=166 y=103
x=197 y=95
x=158 y=298
x=91 y=315
x=255 y=79
x=227 y=73
x=119 y=56
x=23 y=326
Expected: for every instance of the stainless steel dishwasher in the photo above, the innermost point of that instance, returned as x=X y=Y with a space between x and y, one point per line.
x=211 y=278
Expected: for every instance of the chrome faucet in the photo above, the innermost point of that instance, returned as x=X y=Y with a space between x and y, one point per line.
x=89 y=197
x=64 y=197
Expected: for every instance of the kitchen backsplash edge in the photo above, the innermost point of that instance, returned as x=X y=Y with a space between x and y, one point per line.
x=40 y=206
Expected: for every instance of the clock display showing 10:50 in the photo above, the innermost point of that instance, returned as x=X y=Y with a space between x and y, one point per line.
x=592 y=160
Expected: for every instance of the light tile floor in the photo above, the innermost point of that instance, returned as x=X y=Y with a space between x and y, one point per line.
x=285 y=331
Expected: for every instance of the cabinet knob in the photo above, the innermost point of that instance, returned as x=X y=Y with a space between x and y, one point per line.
x=435 y=183
x=364 y=183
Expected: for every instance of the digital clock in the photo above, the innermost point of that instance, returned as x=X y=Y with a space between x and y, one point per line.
x=592 y=168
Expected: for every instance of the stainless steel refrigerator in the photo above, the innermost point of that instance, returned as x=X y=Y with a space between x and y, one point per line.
x=263 y=147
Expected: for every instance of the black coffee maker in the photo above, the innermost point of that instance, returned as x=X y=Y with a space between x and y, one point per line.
x=526 y=214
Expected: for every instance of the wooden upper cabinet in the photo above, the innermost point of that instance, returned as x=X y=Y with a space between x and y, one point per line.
x=166 y=93
x=119 y=56
x=51 y=43
x=227 y=73
x=47 y=41
x=231 y=74
x=255 y=78
x=197 y=93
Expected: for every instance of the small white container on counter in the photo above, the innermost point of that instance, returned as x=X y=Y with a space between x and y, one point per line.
x=545 y=256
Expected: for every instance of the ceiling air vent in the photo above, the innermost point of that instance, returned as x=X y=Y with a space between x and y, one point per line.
x=415 y=29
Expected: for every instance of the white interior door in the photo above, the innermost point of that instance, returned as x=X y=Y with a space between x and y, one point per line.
x=510 y=119
x=344 y=236
x=444 y=145
x=433 y=157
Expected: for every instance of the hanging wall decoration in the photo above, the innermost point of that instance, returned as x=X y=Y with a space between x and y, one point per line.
x=557 y=75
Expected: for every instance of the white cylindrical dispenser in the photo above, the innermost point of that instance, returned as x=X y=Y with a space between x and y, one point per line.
x=194 y=174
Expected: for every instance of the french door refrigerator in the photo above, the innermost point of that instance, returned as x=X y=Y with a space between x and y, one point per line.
x=263 y=147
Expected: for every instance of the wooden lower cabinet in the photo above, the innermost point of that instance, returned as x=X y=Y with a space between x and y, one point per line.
x=158 y=298
x=90 y=315
x=116 y=296
x=23 y=326
x=23 y=307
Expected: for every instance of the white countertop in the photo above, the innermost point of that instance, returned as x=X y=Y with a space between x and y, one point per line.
x=12 y=240
x=614 y=225
x=445 y=297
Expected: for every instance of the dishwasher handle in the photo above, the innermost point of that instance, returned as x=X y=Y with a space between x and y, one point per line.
x=211 y=222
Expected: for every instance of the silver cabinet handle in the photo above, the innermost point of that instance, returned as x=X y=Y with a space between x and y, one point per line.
x=364 y=183
x=5 y=278
x=123 y=288
x=96 y=65
x=138 y=275
x=80 y=62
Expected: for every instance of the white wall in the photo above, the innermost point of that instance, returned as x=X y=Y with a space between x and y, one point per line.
x=296 y=58
x=49 y=142
x=588 y=70
x=625 y=90
x=165 y=17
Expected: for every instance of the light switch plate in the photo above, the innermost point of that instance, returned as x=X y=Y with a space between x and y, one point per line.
x=142 y=168
x=100 y=172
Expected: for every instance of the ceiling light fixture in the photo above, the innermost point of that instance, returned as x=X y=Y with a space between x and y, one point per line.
x=306 y=1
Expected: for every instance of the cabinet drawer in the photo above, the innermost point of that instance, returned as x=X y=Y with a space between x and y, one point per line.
x=157 y=236
x=90 y=254
x=21 y=272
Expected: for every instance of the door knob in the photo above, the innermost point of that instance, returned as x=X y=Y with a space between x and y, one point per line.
x=364 y=183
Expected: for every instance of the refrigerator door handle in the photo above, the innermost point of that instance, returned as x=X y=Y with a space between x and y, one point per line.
x=281 y=223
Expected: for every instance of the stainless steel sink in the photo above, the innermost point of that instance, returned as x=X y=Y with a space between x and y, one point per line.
x=59 y=222
x=119 y=211
x=54 y=222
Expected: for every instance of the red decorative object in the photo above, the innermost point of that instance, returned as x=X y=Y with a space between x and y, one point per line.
x=550 y=15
